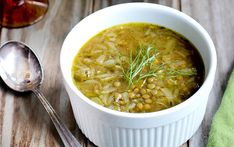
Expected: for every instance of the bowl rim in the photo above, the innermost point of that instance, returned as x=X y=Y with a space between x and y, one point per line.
x=208 y=81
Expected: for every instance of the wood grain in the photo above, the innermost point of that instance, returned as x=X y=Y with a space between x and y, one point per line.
x=217 y=18
x=45 y=38
x=23 y=120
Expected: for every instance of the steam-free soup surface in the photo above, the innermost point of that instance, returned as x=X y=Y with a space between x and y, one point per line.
x=138 y=67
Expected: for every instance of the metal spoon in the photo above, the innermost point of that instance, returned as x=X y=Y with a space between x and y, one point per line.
x=20 y=69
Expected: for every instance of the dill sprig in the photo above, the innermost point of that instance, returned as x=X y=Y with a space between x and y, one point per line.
x=145 y=55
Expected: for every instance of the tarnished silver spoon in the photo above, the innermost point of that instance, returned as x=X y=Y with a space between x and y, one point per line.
x=21 y=70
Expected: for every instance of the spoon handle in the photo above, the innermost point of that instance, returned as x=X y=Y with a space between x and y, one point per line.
x=68 y=139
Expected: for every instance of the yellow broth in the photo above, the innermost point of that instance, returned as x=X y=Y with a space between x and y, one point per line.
x=99 y=69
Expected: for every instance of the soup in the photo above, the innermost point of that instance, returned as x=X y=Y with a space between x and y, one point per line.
x=138 y=67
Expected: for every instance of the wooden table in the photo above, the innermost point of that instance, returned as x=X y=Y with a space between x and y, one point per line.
x=23 y=120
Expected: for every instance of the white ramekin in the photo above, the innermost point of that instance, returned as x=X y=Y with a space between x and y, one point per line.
x=168 y=128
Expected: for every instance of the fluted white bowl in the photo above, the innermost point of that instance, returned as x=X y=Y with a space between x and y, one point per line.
x=167 y=128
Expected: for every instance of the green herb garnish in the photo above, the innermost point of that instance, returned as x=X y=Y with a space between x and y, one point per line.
x=140 y=66
x=145 y=55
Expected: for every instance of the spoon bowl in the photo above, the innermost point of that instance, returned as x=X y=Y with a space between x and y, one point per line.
x=21 y=70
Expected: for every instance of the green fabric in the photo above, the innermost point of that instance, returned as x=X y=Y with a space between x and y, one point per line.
x=222 y=127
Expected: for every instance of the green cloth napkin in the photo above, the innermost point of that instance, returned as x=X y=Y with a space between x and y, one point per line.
x=222 y=127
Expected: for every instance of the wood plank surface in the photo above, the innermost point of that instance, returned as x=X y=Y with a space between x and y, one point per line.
x=23 y=120
x=217 y=18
